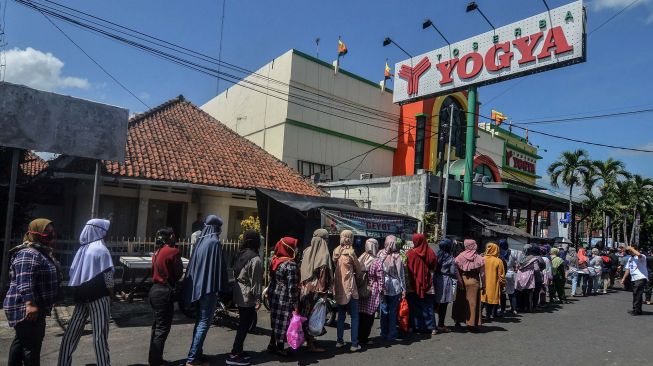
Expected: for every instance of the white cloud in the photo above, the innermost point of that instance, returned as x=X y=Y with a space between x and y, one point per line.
x=615 y=4
x=144 y=95
x=39 y=70
x=647 y=146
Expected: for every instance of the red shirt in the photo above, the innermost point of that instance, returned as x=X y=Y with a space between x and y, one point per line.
x=167 y=266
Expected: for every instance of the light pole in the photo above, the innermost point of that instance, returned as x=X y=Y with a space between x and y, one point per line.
x=440 y=216
x=388 y=41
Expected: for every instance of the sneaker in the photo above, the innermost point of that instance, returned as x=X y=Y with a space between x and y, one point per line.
x=237 y=360
x=354 y=348
x=340 y=344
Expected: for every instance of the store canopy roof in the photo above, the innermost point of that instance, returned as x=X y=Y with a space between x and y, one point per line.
x=521 y=197
x=502 y=229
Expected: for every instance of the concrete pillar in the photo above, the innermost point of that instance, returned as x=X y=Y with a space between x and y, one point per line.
x=143 y=206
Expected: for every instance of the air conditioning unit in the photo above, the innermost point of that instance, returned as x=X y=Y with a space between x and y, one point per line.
x=366 y=176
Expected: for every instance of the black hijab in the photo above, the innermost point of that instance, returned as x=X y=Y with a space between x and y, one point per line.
x=249 y=250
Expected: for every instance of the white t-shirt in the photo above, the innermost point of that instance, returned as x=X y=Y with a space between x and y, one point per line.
x=637 y=267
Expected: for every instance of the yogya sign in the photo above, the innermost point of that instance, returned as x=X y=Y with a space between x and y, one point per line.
x=542 y=42
x=520 y=161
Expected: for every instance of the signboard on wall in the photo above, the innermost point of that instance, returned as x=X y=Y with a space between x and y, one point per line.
x=542 y=42
x=49 y=122
x=369 y=224
x=519 y=161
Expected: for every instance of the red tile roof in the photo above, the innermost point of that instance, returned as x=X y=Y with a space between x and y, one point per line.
x=33 y=164
x=177 y=141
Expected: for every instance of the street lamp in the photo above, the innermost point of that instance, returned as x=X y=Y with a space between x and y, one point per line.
x=473 y=6
x=388 y=41
x=428 y=23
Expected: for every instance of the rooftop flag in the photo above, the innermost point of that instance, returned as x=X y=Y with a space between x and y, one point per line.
x=342 y=48
x=386 y=73
x=498 y=117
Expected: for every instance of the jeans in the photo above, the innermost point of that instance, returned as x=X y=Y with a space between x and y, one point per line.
x=586 y=283
x=638 y=292
x=160 y=298
x=422 y=318
x=26 y=346
x=206 y=307
x=442 y=313
x=389 y=313
x=352 y=307
x=574 y=282
x=246 y=316
x=596 y=282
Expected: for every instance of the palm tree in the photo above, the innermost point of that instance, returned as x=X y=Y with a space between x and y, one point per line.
x=570 y=169
x=608 y=173
x=641 y=199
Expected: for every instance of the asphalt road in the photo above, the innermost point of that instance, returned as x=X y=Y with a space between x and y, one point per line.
x=590 y=331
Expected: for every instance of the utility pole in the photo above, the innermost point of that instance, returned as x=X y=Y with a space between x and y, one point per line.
x=446 y=176
x=470 y=144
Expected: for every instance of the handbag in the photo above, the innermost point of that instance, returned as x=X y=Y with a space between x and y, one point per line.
x=362 y=285
x=317 y=319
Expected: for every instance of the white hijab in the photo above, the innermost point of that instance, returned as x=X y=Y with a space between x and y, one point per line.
x=93 y=257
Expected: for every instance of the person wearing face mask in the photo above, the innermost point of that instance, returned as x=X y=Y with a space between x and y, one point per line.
x=91 y=280
x=35 y=279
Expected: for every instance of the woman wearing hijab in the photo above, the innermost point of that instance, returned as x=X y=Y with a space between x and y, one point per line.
x=525 y=281
x=167 y=269
x=495 y=280
x=511 y=259
x=368 y=306
x=248 y=272
x=283 y=292
x=558 y=273
x=584 y=272
x=316 y=279
x=206 y=275
x=394 y=288
x=421 y=262
x=444 y=281
x=33 y=289
x=348 y=268
x=572 y=263
x=91 y=280
x=471 y=270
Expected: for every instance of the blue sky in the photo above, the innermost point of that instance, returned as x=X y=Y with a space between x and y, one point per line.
x=615 y=77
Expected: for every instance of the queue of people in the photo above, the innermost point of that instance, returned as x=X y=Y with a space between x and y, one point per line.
x=480 y=286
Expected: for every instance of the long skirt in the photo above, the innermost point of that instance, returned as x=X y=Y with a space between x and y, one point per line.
x=460 y=308
x=422 y=316
x=473 y=297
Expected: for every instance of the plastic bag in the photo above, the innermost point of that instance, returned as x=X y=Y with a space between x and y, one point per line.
x=295 y=334
x=317 y=319
x=403 y=318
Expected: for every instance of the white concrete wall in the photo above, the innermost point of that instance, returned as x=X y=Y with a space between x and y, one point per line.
x=249 y=109
x=492 y=146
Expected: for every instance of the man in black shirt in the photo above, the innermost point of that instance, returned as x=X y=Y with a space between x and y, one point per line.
x=198 y=225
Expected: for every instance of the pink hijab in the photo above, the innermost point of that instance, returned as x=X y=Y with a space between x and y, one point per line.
x=469 y=260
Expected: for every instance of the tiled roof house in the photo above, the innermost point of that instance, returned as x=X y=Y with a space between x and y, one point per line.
x=179 y=162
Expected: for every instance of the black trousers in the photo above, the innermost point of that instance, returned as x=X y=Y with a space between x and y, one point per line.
x=442 y=313
x=246 y=316
x=649 y=288
x=365 y=323
x=162 y=303
x=638 y=292
x=26 y=346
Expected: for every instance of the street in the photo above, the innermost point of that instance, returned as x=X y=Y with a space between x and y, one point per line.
x=589 y=331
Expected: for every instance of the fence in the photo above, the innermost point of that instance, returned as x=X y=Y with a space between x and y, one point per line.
x=65 y=249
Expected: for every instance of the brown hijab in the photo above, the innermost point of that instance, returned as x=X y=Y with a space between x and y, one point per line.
x=316 y=256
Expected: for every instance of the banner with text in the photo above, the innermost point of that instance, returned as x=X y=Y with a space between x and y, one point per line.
x=369 y=224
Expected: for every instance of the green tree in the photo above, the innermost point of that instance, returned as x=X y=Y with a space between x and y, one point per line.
x=607 y=173
x=570 y=169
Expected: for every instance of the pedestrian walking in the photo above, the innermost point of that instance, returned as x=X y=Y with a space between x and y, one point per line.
x=283 y=292
x=596 y=270
x=471 y=269
x=558 y=275
x=444 y=279
x=495 y=280
x=91 y=280
x=614 y=266
x=33 y=290
x=206 y=276
x=606 y=268
x=394 y=288
x=421 y=262
x=636 y=269
x=348 y=268
x=167 y=269
x=572 y=272
x=367 y=306
x=316 y=280
x=525 y=281
x=584 y=277
x=248 y=273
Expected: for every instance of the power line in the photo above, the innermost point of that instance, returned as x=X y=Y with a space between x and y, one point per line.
x=613 y=16
x=96 y=63
x=183 y=50
x=583 y=118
